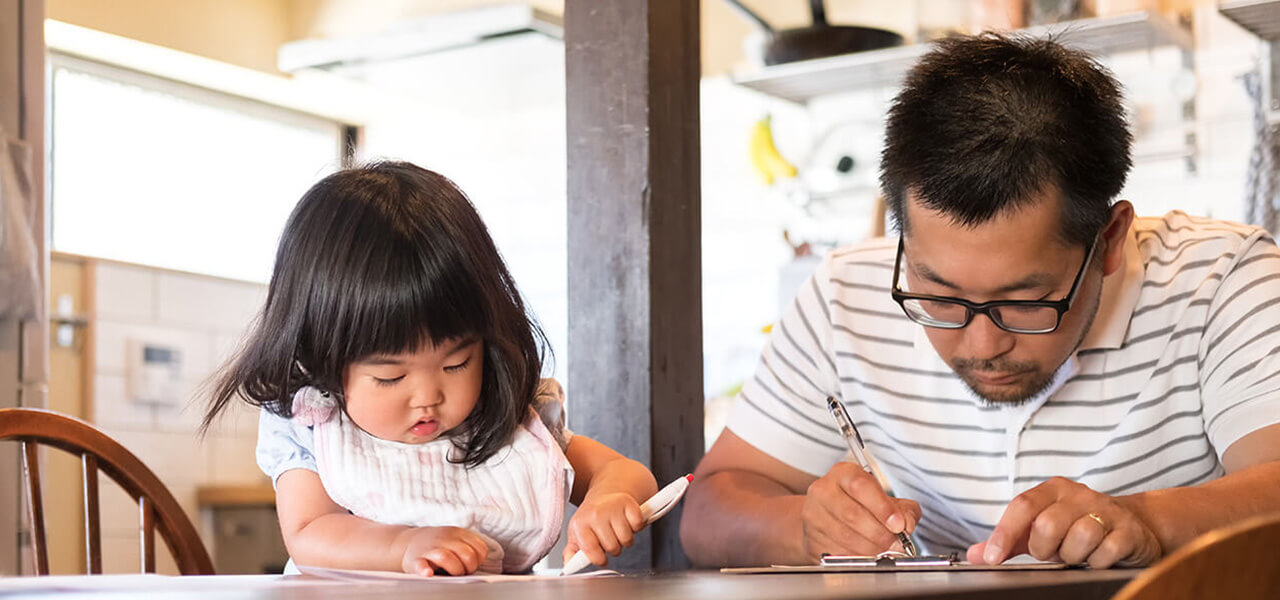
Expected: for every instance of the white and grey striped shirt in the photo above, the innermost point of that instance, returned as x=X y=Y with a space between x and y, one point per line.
x=1183 y=359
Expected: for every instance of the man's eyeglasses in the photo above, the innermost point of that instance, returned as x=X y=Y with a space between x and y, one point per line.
x=1014 y=316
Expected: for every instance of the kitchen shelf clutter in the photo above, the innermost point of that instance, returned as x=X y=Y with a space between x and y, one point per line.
x=802 y=81
x=1262 y=17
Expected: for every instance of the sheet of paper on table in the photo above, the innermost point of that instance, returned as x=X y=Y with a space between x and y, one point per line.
x=1021 y=562
x=393 y=577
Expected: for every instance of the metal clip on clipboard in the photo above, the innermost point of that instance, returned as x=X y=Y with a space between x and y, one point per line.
x=890 y=559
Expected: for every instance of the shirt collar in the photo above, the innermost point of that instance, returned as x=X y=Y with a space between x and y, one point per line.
x=1115 y=308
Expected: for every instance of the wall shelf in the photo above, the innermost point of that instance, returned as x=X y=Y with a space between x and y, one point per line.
x=1262 y=17
x=802 y=81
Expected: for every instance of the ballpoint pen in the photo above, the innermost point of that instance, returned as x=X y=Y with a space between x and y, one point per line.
x=851 y=437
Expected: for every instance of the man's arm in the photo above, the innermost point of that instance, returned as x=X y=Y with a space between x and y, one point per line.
x=1052 y=520
x=1251 y=487
x=746 y=507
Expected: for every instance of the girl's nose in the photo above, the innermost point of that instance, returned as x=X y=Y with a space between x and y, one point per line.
x=427 y=396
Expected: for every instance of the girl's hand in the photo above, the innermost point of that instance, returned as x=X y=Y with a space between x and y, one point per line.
x=454 y=550
x=603 y=523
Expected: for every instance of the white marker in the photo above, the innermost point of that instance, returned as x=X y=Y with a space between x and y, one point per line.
x=657 y=505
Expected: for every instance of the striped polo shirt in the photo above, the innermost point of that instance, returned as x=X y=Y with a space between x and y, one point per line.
x=1182 y=360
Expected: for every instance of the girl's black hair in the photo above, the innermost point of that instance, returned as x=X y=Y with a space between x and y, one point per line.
x=381 y=259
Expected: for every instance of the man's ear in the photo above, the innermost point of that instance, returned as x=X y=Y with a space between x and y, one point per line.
x=1113 y=236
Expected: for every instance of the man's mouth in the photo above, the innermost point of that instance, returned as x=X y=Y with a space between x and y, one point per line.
x=996 y=378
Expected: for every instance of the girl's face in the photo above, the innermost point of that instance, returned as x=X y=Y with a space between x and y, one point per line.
x=415 y=397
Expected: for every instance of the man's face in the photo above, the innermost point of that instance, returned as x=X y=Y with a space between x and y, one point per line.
x=1018 y=256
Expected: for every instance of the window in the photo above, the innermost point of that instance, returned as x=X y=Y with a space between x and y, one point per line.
x=151 y=171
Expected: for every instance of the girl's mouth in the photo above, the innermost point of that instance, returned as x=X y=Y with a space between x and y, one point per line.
x=424 y=428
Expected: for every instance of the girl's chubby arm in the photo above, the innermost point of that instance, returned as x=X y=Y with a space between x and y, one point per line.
x=608 y=489
x=319 y=532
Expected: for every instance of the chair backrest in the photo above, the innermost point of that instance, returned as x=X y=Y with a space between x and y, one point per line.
x=1237 y=562
x=157 y=509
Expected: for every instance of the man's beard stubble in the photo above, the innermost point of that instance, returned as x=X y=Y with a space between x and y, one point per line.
x=1041 y=381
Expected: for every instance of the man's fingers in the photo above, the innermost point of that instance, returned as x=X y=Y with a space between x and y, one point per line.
x=974 y=553
x=1081 y=539
x=863 y=488
x=1049 y=529
x=911 y=509
x=1012 y=532
x=854 y=529
x=1111 y=550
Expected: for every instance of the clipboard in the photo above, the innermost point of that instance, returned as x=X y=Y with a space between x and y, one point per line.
x=897 y=562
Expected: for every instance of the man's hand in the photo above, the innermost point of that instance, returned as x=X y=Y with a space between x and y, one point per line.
x=1064 y=520
x=847 y=512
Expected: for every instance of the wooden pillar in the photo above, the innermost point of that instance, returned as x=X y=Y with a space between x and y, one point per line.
x=635 y=261
x=23 y=353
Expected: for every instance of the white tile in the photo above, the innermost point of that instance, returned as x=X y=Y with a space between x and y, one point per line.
x=112 y=408
x=239 y=420
x=112 y=346
x=124 y=292
x=176 y=459
x=220 y=304
x=225 y=346
x=234 y=462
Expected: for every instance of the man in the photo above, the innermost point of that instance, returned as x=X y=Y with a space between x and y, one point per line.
x=1035 y=370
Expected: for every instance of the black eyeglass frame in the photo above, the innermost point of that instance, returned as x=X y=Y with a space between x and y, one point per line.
x=985 y=308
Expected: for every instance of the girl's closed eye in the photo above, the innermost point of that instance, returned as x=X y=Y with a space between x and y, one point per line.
x=387 y=382
x=458 y=367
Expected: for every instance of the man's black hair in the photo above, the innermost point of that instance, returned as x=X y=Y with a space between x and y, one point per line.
x=984 y=125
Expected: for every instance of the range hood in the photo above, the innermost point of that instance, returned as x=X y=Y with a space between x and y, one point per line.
x=421 y=36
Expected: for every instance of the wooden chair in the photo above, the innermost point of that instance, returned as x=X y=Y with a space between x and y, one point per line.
x=1237 y=562
x=157 y=509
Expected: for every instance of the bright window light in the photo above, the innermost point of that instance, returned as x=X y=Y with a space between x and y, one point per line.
x=150 y=171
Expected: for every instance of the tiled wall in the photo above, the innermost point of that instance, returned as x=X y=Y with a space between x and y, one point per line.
x=203 y=318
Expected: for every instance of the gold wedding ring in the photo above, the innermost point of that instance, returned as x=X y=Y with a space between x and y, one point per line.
x=1095 y=517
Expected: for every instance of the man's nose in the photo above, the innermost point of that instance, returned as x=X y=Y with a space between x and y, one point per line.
x=985 y=340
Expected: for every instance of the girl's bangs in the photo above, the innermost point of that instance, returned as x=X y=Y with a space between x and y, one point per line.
x=406 y=297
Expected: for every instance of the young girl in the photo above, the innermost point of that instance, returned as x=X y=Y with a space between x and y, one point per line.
x=404 y=425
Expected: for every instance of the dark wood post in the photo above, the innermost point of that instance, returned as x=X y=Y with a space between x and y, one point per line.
x=635 y=261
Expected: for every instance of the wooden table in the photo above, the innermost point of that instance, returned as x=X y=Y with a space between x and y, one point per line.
x=698 y=585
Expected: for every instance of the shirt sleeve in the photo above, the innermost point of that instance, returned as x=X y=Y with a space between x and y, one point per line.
x=1240 y=349
x=549 y=404
x=782 y=409
x=283 y=446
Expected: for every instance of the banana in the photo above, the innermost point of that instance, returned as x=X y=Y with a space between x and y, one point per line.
x=768 y=163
